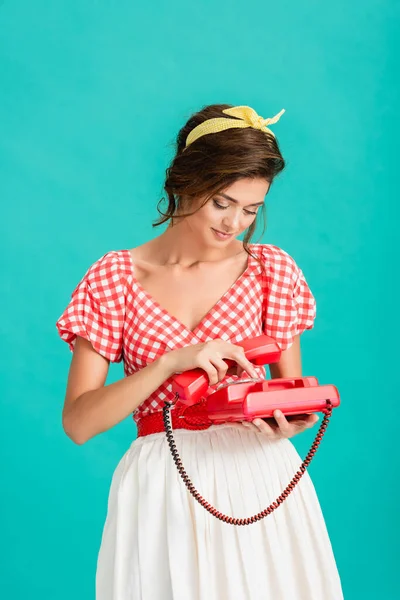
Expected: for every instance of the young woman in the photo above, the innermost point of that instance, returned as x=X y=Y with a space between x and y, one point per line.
x=182 y=300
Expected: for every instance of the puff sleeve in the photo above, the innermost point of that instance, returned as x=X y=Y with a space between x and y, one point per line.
x=289 y=305
x=96 y=310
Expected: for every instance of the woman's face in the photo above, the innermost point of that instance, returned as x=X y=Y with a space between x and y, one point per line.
x=231 y=211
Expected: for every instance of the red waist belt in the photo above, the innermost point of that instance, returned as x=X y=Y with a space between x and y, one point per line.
x=183 y=417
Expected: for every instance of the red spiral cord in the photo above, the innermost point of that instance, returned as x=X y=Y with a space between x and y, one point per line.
x=267 y=511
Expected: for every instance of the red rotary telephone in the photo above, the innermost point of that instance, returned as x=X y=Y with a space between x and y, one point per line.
x=247 y=399
x=250 y=399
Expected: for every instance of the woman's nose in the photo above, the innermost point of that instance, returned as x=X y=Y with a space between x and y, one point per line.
x=232 y=221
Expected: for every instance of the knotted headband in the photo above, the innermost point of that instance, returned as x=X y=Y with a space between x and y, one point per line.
x=247 y=118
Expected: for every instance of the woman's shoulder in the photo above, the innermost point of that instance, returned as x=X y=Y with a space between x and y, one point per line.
x=96 y=310
x=290 y=307
x=114 y=263
x=108 y=273
x=277 y=261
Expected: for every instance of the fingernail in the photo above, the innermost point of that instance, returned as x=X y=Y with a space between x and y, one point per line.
x=278 y=413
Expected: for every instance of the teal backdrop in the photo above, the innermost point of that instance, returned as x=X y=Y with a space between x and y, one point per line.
x=92 y=96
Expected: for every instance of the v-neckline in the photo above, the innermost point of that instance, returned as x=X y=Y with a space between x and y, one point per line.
x=166 y=313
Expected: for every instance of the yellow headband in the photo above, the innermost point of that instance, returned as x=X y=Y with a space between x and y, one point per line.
x=248 y=116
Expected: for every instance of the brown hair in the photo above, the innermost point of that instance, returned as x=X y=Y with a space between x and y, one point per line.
x=215 y=161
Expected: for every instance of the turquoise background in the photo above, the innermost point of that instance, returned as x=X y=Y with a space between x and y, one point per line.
x=92 y=96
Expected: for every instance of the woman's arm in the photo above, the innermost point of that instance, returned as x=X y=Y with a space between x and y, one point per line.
x=90 y=407
x=289 y=364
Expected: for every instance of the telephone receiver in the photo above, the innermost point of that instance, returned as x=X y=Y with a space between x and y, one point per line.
x=191 y=385
x=248 y=399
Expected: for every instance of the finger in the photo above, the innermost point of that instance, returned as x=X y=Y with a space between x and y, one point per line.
x=221 y=367
x=265 y=428
x=249 y=425
x=239 y=356
x=311 y=420
x=211 y=372
x=306 y=421
x=247 y=366
x=282 y=422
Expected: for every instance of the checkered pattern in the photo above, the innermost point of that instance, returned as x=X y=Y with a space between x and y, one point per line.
x=97 y=308
x=122 y=321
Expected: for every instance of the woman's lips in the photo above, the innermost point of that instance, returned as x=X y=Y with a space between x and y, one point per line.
x=220 y=235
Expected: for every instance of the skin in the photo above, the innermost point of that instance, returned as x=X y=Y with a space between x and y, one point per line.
x=185 y=250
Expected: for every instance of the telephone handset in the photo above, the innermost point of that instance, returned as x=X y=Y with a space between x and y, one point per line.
x=247 y=399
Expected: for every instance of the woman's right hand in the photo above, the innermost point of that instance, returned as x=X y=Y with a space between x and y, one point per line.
x=209 y=356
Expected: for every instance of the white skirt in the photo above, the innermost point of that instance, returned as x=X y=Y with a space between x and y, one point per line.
x=158 y=543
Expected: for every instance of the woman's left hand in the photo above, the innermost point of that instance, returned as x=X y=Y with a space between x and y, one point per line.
x=281 y=427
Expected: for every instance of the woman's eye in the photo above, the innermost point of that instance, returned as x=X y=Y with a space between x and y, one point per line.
x=221 y=207
x=217 y=205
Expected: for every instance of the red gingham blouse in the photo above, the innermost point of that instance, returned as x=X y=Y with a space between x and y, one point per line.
x=123 y=322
